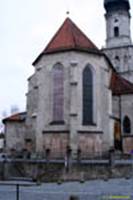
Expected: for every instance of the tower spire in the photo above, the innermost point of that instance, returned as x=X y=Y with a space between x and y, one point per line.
x=119 y=47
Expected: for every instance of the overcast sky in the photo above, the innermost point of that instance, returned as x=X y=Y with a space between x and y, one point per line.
x=26 y=26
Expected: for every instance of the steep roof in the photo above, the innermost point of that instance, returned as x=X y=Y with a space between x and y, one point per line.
x=119 y=85
x=18 y=117
x=69 y=37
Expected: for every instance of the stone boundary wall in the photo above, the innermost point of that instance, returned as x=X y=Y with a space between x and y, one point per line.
x=58 y=171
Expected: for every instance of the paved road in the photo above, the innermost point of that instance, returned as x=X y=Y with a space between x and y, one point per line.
x=91 y=190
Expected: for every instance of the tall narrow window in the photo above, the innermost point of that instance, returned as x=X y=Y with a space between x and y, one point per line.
x=116 y=31
x=87 y=96
x=58 y=93
x=117 y=63
x=126 y=125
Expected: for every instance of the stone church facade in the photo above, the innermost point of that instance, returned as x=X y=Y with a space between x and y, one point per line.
x=79 y=98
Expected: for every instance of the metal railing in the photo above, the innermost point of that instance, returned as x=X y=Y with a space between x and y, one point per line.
x=33 y=167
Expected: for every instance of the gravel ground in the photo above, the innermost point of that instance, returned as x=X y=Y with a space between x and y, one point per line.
x=91 y=190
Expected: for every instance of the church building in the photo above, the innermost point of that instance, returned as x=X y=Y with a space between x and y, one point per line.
x=80 y=98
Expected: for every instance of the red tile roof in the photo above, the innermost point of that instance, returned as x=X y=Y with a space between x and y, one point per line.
x=18 y=117
x=120 y=86
x=69 y=37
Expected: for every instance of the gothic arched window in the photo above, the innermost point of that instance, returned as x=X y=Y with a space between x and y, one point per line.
x=126 y=125
x=87 y=96
x=116 y=31
x=58 y=93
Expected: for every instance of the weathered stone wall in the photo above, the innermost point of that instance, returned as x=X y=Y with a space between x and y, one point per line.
x=57 y=143
x=57 y=173
x=74 y=64
x=15 y=135
x=39 y=128
x=128 y=144
x=127 y=108
x=123 y=106
x=116 y=107
x=90 y=144
x=32 y=106
x=125 y=64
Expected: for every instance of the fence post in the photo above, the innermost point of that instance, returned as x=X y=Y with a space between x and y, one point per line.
x=5 y=169
x=68 y=158
x=47 y=153
x=78 y=155
x=111 y=160
x=73 y=197
x=17 y=191
x=131 y=162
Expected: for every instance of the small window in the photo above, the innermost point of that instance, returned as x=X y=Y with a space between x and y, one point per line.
x=117 y=58
x=28 y=140
x=116 y=20
x=116 y=31
x=126 y=125
x=117 y=63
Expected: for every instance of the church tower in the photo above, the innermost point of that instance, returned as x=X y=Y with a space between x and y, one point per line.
x=117 y=23
x=119 y=46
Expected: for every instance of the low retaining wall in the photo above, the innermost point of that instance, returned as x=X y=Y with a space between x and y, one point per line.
x=56 y=171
